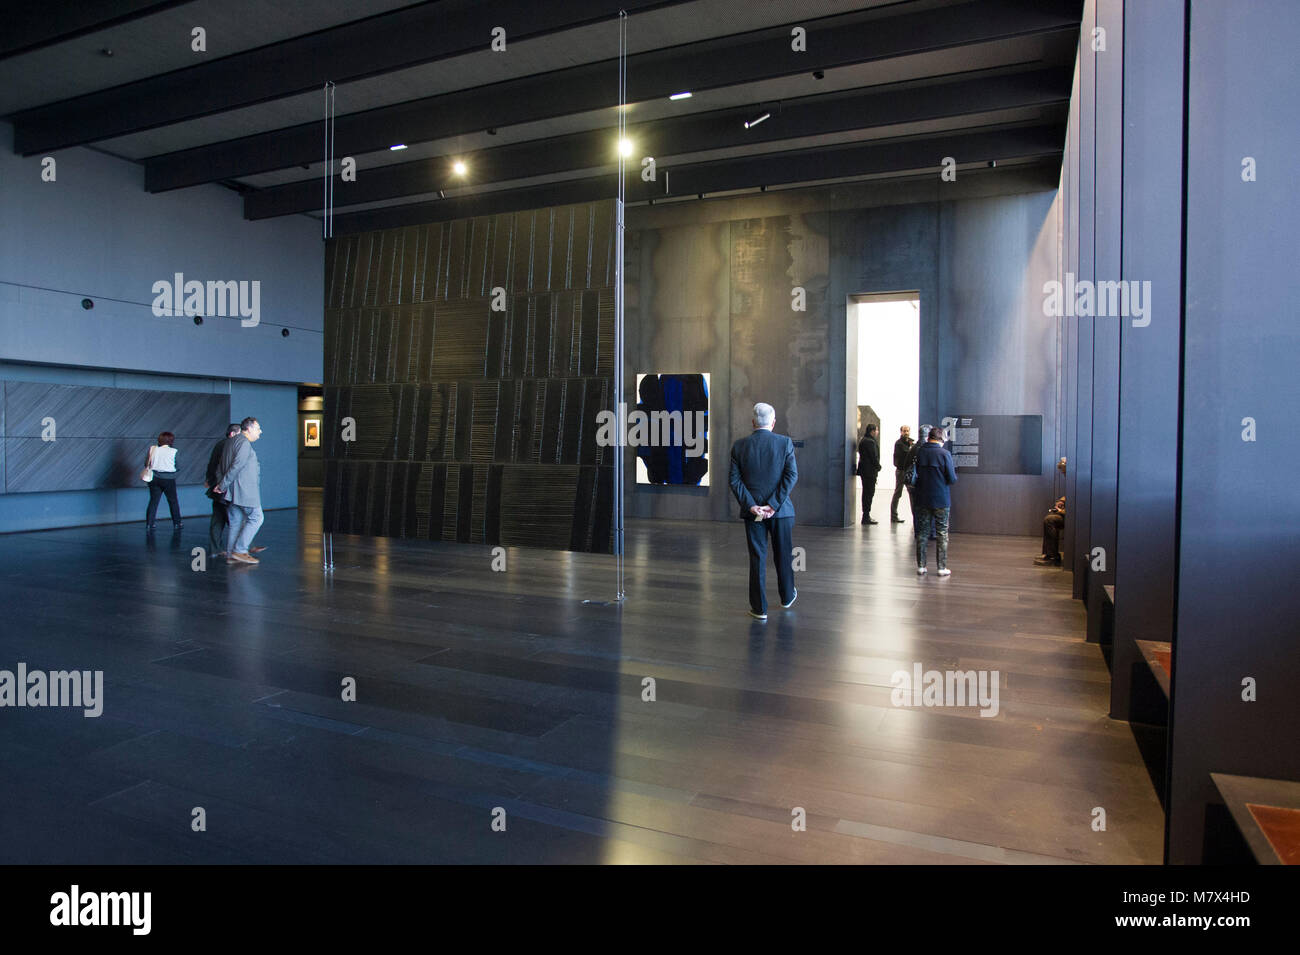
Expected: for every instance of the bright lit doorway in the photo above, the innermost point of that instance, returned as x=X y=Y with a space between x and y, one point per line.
x=889 y=383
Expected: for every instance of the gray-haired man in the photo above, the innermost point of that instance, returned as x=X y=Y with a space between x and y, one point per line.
x=763 y=473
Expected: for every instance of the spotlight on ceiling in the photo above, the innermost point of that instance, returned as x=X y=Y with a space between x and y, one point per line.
x=458 y=167
x=751 y=123
x=684 y=94
x=625 y=147
x=397 y=147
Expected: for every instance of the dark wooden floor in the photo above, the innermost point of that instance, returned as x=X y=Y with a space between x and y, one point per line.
x=479 y=690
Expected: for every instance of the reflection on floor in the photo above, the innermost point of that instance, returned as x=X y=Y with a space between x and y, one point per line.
x=485 y=695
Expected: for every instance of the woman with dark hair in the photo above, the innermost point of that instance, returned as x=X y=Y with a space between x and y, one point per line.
x=162 y=465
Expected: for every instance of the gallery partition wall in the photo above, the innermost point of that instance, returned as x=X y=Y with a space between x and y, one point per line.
x=1180 y=345
x=466 y=363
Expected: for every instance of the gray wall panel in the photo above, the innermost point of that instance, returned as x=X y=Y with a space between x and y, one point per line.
x=1237 y=602
x=1149 y=357
x=95 y=233
x=978 y=264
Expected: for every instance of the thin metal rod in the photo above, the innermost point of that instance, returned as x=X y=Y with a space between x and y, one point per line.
x=327 y=202
x=619 y=450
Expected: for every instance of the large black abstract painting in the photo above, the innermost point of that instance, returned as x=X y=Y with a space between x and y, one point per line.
x=465 y=365
x=78 y=437
x=670 y=429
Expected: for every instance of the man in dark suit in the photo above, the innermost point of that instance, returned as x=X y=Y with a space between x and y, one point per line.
x=868 y=470
x=220 y=519
x=763 y=473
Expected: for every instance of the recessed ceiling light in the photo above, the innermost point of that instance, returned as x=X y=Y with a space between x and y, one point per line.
x=106 y=52
x=397 y=147
x=458 y=167
x=749 y=123
x=625 y=147
x=684 y=94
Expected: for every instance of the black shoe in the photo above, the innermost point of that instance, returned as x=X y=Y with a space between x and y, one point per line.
x=897 y=520
x=870 y=521
x=177 y=525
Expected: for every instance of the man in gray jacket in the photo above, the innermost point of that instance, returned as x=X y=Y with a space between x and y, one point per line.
x=239 y=483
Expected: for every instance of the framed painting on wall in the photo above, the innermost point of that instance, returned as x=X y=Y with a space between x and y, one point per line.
x=311 y=433
x=670 y=429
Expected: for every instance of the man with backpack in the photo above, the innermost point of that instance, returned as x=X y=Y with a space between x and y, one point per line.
x=935 y=473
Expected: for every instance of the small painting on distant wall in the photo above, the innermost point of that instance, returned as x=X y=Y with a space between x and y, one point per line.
x=311 y=433
x=670 y=429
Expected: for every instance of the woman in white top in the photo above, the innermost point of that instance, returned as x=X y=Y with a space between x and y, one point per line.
x=162 y=459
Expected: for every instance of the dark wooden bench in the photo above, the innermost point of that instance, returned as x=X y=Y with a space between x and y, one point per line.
x=1158 y=656
x=1267 y=814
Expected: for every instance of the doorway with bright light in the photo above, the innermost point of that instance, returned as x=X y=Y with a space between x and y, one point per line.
x=888 y=384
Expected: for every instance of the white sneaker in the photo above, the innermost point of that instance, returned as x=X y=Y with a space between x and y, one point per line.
x=945 y=572
x=920 y=570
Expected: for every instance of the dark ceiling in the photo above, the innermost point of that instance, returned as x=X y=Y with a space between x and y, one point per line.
x=882 y=89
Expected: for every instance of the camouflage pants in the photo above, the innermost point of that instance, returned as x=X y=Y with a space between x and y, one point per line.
x=924 y=516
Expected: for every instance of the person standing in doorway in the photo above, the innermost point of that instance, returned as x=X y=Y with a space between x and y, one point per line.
x=239 y=484
x=935 y=473
x=220 y=516
x=763 y=472
x=901 y=447
x=869 y=469
x=908 y=466
x=162 y=459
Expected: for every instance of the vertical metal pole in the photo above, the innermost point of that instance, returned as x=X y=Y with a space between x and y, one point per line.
x=327 y=202
x=619 y=448
x=327 y=230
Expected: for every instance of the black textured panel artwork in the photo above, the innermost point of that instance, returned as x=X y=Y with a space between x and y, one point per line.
x=456 y=413
x=78 y=437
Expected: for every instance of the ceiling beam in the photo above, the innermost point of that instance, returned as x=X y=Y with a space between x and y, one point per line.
x=895 y=156
x=34 y=26
x=752 y=57
x=353 y=51
x=696 y=132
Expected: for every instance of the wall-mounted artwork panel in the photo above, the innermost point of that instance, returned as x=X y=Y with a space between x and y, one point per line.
x=78 y=437
x=669 y=429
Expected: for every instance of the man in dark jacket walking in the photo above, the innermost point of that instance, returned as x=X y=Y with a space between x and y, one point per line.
x=901 y=447
x=220 y=518
x=763 y=473
x=868 y=469
x=934 y=475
